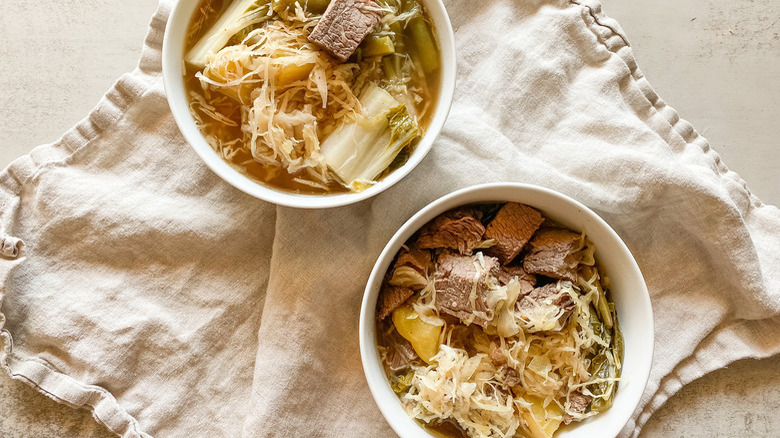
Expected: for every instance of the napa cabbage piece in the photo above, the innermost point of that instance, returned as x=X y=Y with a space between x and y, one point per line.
x=425 y=302
x=502 y=300
x=237 y=17
x=376 y=45
x=359 y=150
x=291 y=95
x=605 y=343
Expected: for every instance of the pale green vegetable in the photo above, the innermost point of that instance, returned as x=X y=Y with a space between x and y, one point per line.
x=607 y=365
x=391 y=66
x=359 y=151
x=239 y=15
x=401 y=384
x=424 y=45
x=375 y=45
x=313 y=6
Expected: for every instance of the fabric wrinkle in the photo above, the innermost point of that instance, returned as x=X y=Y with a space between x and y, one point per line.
x=168 y=303
x=10 y=246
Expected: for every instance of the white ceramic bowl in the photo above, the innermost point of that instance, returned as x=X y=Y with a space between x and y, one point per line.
x=173 y=53
x=628 y=289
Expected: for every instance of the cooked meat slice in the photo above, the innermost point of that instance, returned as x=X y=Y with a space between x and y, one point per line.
x=579 y=403
x=548 y=294
x=546 y=307
x=415 y=258
x=344 y=25
x=527 y=281
x=411 y=268
x=459 y=229
x=507 y=272
x=526 y=287
x=498 y=357
x=391 y=298
x=512 y=227
x=401 y=354
x=511 y=377
x=554 y=253
x=455 y=280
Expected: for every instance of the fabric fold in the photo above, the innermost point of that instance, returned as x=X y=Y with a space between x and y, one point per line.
x=10 y=246
x=141 y=287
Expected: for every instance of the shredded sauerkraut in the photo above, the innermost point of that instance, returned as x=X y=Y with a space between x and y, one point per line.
x=259 y=75
x=293 y=92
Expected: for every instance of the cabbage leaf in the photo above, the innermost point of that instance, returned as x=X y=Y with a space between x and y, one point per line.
x=238 y=16
x=359 y=150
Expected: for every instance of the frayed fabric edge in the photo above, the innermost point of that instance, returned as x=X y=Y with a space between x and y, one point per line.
x=111 y=108
x=611 y=36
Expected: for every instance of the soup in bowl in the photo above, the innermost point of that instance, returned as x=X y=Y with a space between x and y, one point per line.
x=310 y=103
x=506 y=310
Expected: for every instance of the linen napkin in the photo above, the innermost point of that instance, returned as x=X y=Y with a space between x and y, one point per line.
x=138 y=285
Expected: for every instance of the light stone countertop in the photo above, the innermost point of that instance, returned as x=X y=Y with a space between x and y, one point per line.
x=716 y=61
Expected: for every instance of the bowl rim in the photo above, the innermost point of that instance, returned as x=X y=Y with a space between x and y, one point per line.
x=374 y=373
x=172 y=73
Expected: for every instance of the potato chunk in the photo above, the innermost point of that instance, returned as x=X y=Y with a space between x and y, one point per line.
x=293 y=68
x=543 y=422
x=424 y=337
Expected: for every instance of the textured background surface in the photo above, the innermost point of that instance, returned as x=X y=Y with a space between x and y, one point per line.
x=716 y=61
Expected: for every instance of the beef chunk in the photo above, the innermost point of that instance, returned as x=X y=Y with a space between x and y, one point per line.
x=391 y=298
x=579 y=403
x=459 y=229
x=344 y=25
x=415 y=258
x=511 y=377
x=545 y=295
x=498 y=357
x=546 y=302
x=555 y=253
x=454 y=281
x=411 y=268
x=507 y=272
x=527 y=281
x=400 y=354
x=525 y=287
x=513 y=226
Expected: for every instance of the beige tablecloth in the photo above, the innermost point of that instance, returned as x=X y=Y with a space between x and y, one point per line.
x=172 y=305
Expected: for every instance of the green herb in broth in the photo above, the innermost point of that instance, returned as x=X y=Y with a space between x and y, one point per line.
x=242 y=129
